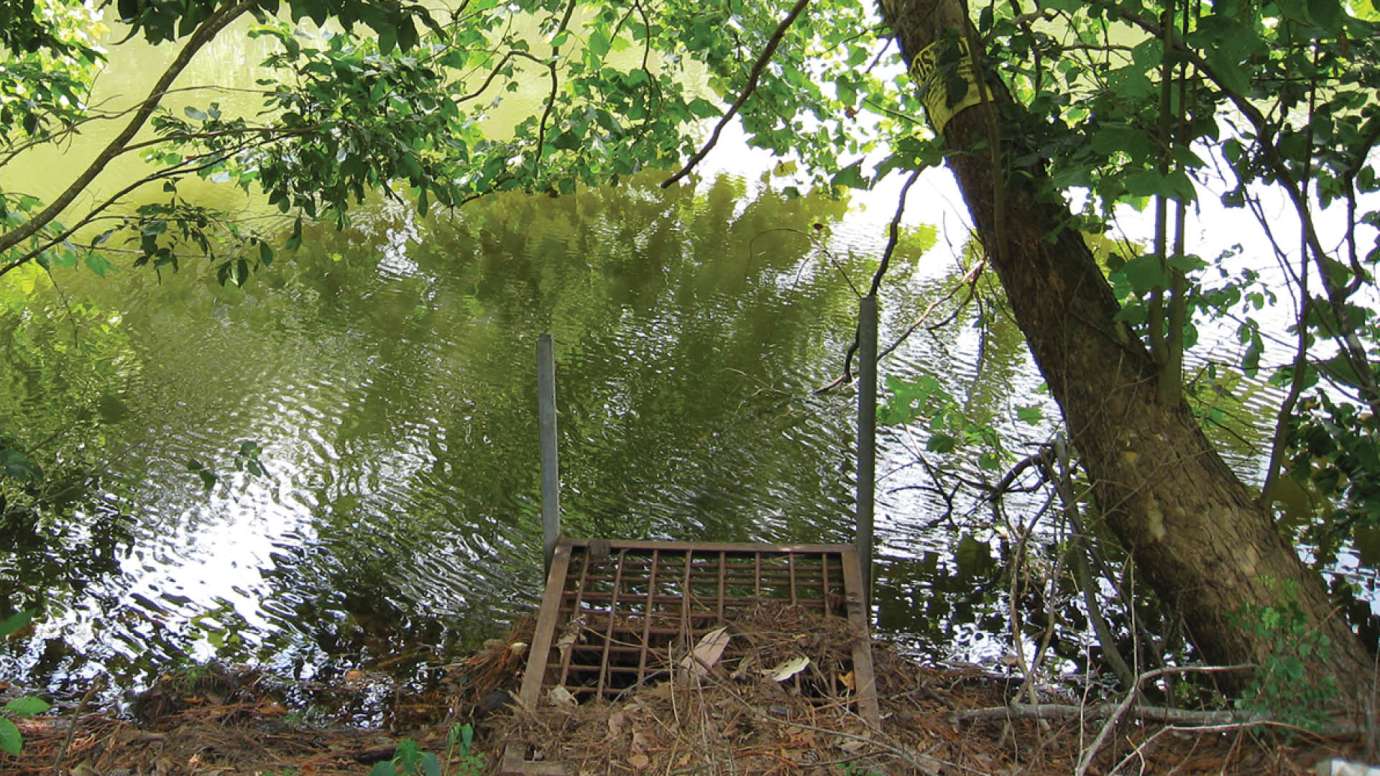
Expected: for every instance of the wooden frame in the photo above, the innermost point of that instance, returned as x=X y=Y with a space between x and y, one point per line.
x=654 y=588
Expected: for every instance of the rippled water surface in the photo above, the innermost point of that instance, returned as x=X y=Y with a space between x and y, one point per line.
x=387 y=375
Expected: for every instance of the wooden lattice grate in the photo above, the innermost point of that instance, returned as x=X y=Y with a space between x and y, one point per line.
x=614 y=609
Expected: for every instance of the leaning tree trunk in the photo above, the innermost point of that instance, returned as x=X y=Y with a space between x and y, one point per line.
x=1191 y=526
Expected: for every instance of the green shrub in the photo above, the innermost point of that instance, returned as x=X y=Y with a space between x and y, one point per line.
x=1285 y=686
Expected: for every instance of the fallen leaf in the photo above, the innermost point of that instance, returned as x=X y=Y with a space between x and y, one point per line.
x=616 y=722
x=852 y=745
x=847 y=680
x=569 y=635
x=707 y=652
x=639 y=761
x=559 y=696
x=743 y=666
x=788 y=668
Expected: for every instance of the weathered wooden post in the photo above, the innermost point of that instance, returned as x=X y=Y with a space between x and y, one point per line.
x=867 y=438
x=550 y=467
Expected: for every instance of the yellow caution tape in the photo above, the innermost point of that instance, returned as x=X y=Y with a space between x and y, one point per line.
x=933 y=80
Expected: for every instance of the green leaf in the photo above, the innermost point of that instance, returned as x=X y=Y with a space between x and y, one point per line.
x=430 y=765
x=98 y=264
x=702 y=108
x=27 y=706
x=407 y=34
x=907 y=399
x=1138 y=144
x=15 y=464
x=1145 y=273
x=15 y=621
x=1339 y=368
x=1032 y=414
x=1250 y=360
x=852 y=177
x=295 y=241
x=1229 y=72
x=11 y=741
x=599 y=43
x=1186 y=264
x=195 y=114
x=208 y=477
x=941 y=443
x=388 y=38
x=265 y=254
x=466 y=738
x=384 y=768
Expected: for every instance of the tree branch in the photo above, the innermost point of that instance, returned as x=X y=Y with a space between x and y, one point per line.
x=203 y=34
x=1061 y=711
x=1120 y=709
x=1346 y=337
x=748 y=89
x=185 y=169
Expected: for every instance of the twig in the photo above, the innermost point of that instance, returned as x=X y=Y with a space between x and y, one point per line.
x=895 y=751
x=76 y=721
x=1063 y=483
x=1130 y=698
x=1061 y=711
x=893 y=231
x=893 y=237
x=751 y=86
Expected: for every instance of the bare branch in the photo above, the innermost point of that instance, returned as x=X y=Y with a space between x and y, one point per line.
x=203 y=34
x=1062 y=711
x=748 y=89
x=1133 y=693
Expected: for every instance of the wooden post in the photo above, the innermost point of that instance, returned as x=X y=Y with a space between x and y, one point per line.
x=550 y=467
x=867 y=438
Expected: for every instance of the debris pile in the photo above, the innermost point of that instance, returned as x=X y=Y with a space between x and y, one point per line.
x=773 y=692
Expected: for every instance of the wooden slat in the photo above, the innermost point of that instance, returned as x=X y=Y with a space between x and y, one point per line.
x=824 y=579
x=790 y=562
x=864 y=680
x=613 y=617
x=729 y=547
x=546 y=627
x=685 y=599
x=647 y=625
x=575 y=613
x=723 y=556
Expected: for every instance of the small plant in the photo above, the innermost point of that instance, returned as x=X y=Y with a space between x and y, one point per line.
x=1284 y=686
x=459 y=750
x=11 y=741
x=410 y=760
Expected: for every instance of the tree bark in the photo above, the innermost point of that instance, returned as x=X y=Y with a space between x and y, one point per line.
x=1190 y=524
